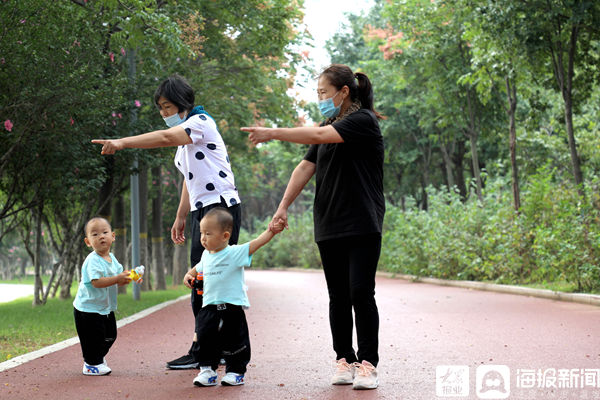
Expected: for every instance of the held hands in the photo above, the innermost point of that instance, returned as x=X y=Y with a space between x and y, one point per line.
x=258 y=134
x=279 y=222
x=276 y=226
x=109 y=146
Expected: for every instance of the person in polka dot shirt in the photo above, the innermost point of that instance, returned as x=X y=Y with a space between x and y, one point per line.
x=202 y=159
x=346 y=157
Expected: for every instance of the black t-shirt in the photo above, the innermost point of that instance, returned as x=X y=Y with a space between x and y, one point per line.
x=349 y=179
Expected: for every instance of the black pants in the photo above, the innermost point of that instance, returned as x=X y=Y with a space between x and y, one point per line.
x=197 y=249
x=231 y=341
x=350 y=264
x=97 y=333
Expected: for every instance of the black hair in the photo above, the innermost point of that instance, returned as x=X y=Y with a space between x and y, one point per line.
x=178 y=91
x=85 y=228
x=340 y=75
x=223 y=216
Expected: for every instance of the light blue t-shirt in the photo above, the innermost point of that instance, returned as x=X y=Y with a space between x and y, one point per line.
x=97 y=300
x=224 y=275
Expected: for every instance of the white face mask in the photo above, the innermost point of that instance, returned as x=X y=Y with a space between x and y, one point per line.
x=174 y=120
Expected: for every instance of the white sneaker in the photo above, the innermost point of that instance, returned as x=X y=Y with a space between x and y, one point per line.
x=365 y=377
x=232 y=379
x=96 y=370
x=344 y=373
x=206 y=377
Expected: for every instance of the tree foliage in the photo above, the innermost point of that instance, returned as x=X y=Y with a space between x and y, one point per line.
x=95 y=77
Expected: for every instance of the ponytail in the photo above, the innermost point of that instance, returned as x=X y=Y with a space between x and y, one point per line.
x=340 y=75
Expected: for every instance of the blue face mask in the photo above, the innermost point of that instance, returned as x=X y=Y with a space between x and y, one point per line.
x=328 y=109
x=174 y=120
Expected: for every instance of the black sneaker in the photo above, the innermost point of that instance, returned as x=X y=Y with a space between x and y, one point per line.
x=183 y=362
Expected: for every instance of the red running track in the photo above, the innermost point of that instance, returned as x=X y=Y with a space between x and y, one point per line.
x=423 y=326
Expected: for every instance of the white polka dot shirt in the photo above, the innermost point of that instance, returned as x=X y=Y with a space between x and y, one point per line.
x=205 y=164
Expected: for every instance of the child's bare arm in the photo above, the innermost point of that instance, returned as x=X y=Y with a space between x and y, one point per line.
x=260 y=241
x=121 y=279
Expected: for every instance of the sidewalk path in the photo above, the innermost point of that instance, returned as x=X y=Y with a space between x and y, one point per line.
x=422 y=326
x=10 y=291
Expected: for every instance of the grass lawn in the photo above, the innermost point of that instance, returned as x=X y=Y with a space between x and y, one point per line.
x=24 y=328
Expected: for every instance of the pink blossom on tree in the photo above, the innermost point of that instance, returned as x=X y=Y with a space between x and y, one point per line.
x=137 y=103
x=393 y=40
x=112 y=56
x=8 y=125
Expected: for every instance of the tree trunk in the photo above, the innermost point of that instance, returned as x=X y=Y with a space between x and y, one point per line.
x=424 y=197
x=476 y=170
x=564 y=79
x=38 y=286
x=575 y=161
x=23 y=267
x=472 y=133
x=180 y=263
x=448 y=167
x=458 y=157
x=511 y=92
x=120 y=229
x=144 y=259
x=158 y=264
x=72 y=264
x=180 y=252
x=168 y=257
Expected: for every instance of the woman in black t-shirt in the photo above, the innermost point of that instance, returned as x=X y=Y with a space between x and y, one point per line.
x=346 y=155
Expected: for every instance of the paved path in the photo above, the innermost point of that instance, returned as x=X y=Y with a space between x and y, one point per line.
x=10 y=292
x=423 y=326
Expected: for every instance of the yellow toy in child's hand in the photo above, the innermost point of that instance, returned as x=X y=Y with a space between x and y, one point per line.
x=137 y=273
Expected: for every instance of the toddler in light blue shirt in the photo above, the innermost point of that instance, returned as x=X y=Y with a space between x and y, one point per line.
x=221 y=326
x=96 y=299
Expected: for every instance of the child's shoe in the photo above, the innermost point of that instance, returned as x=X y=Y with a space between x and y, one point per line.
x=365 y=377
x=96 y=370
x=232 y=379
x=344 y=373
x=206 y=377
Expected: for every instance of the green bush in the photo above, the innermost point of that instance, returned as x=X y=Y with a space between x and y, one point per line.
x=294 y=247
x=555 y=237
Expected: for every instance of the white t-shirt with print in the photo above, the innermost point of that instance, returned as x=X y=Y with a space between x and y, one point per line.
x=205 y=164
